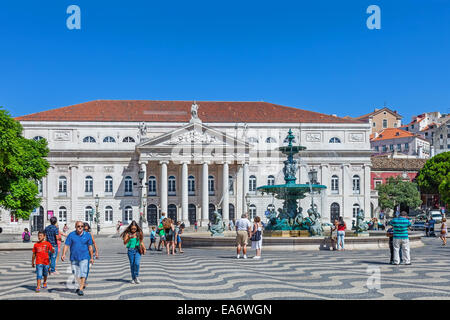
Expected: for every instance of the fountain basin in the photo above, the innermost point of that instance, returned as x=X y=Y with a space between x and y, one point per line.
x=375 y=241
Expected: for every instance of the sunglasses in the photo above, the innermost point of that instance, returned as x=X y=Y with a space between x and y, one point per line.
x=80 y=226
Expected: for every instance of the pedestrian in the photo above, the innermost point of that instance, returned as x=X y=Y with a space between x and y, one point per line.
x=87 y=228
x=333 y=234
x=431 y=224
x=243 y=229
x=169 y=230
x=26 y=235
x=81 y=253
x=195 y=226
x=444 y=231
x=152 y=238
x=162 y=235
x=52 y=235
x=178 y=231
x=342 y=226
x=66 y=228
x=58 y=240
x=163 y=216
x=118 y=227
x=133 y=238
x=41 y=260
x=256 y=237
x=400 y=225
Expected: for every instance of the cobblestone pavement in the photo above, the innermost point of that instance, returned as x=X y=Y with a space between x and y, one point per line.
x=210 y=274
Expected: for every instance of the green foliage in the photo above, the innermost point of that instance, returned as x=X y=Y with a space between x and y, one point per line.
x=433 y=173
x=396 y=191
x=444 y=190
x=22 y=164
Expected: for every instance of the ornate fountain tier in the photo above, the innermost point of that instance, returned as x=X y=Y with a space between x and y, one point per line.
x=290 y=190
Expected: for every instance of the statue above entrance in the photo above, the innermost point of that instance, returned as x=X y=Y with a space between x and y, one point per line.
x=194 y=113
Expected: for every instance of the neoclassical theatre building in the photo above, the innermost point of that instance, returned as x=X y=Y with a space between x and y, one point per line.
x=130 y=160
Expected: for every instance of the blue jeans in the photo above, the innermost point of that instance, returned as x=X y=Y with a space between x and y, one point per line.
x=340 y=239
x=135 y=259
x=53 y=258
x=80 y=268
x=41 y=271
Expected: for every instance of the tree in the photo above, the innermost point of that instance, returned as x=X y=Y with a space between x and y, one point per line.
x=444 y=190
x=433 y=173
x=22 y=164
x=398 y=192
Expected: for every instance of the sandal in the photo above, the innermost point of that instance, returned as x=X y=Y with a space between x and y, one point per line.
x=38 y=290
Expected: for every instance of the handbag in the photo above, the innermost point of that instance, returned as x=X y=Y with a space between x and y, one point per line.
x=256 y=236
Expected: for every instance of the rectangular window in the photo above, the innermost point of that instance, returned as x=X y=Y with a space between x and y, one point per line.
x=377 y=148
x=391 y=147
x=399 y=147
x=385 y=123
x=374 y=124
x=384 y=148
x=406 y=146
x=377 y=183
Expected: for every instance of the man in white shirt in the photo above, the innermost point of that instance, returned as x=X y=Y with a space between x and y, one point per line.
x=243 y=229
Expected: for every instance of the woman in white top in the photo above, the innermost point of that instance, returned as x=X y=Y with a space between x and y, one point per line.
x=444 y=231
x=256 y=237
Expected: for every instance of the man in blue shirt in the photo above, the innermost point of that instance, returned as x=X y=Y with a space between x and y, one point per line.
x=81 y=252
x=400 y=238
x=52 y=232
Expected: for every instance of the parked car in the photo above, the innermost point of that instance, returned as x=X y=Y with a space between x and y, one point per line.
x=418 y=225
x=420 y=217
x=436 y=215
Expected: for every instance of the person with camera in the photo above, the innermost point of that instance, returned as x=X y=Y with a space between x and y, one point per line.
x=133 y=239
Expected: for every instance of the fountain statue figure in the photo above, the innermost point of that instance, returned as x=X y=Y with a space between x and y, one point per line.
x=218 y=226
x=290 y=216
x=361 y=226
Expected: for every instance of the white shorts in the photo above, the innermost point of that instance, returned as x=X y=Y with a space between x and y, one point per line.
x=257 y=244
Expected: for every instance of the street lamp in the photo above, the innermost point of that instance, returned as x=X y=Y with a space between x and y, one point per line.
x=97 y=214
x=312 y=176
x=141 y=176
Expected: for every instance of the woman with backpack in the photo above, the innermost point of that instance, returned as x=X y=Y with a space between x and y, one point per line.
x=341 y=234
x=256 y=237
x=133 y=238
x=169 y=230
x=26 y=235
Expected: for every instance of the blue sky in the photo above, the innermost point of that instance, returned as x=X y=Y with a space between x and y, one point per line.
x=315 y=55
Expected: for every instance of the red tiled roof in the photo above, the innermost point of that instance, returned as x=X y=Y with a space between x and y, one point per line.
x=180 y=111
x=367 y=116
x=393 y=133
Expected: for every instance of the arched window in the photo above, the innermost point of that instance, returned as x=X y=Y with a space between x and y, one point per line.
x=356 y=184
x=62 y=185
x=335 y=184
x=231 y=212
x=89 y=139
x=191 y=185
x=128 y=186
x=62 y=214
x=128 y=139
x=108 y=214
x=211 y=209
x=152 y=214
x=109 y=139
x=252 y=184
x=334 y=212
x=355 y=211
x=270 y=180
x=335 y=140
x=88 y=214
x=172 y=186
x=211 y=185
x=252 y=212
x=152 y=186
x=108 y=184
x=128 y=214
x=37 y=138
x=271 y=140
x=88 y=185
x=230 y=185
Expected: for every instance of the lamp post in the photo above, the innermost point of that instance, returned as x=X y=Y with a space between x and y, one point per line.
x=312 y=176
x=97 y=214
x=141 y=176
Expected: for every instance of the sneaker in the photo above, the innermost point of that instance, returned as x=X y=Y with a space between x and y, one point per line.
x=132 y=282
x=80 y=293
x=257 y=257
x=137 y=281
x=238 y=256
x=245 y=256
x=44 y=286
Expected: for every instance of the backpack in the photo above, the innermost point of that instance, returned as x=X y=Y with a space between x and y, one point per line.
x=26 y=237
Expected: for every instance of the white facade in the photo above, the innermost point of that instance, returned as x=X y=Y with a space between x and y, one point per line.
x=173 y=153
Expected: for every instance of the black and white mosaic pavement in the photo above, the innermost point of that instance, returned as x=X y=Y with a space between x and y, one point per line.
x=209 y=274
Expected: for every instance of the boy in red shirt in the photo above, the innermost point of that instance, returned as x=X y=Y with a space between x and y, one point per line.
x=40 y=256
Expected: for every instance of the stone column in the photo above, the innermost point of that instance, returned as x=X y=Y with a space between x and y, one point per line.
x=325 y=180
x=226 y=193
x=346 y=210
x=72 y=216
x=205 y=195
x=366 y=191
x=142 y=196
x=239 y=209
x=163 y=184
x=184 y=193
x=245 y=189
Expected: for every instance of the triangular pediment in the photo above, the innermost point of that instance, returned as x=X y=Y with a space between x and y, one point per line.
x=193 y=134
